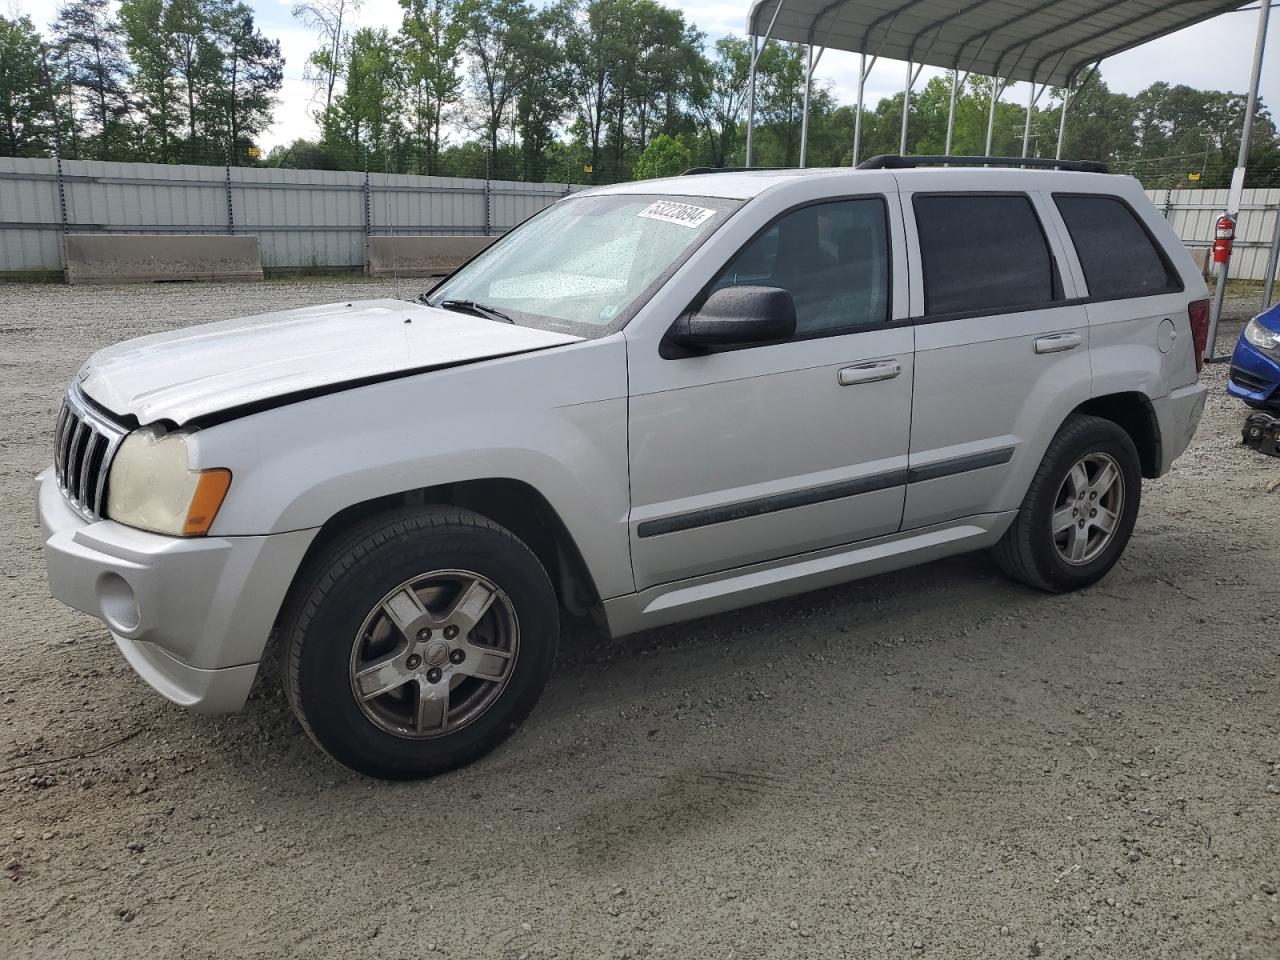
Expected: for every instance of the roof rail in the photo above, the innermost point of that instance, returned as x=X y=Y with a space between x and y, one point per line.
x=891 y=162
x=694 y=171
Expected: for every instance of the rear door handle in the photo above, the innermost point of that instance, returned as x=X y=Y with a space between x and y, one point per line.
x=869 y=372
x=1058 y=342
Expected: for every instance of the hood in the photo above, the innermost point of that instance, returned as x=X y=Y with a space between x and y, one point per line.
x=191 y=373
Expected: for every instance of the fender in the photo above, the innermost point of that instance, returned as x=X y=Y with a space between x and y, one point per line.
x=554 y=419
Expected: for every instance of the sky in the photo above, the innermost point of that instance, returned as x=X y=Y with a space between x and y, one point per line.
x=1216 y=55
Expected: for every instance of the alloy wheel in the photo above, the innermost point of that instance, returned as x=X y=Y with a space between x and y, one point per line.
x=1088 y=508
x=434 y=654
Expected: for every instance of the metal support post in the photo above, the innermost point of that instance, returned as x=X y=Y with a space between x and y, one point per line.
x=1026 y=130
x=997 y=88
x=951 y=111
x=804 y=115
x=1068 y=98
x=368 y=213
x=231 y=213
x=1273 y=259
x=57 y=156
x=906 y=111
x=1062 y=122
x=864 y=71
x=757 y=48
x=488 y=196
x=1259 y=48
x=751 y=96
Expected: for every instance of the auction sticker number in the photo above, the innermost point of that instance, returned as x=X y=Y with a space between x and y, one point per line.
x=668 y=211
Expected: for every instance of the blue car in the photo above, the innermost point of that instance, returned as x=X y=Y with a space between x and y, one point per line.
x=1255 y=366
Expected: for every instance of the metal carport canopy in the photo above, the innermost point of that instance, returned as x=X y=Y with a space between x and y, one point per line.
x=1047 y=42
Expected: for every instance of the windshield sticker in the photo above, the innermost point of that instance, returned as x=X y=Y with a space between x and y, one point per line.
x=668 y=211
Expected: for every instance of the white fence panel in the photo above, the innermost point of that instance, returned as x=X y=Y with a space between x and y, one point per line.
x=1194 y=216
x=303 y=218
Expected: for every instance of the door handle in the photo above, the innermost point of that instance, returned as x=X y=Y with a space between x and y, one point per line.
x=1058 y=342
x=869 y=372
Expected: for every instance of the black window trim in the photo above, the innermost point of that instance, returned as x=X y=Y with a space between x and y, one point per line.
x=1054 y=266
x=671 y=351
x=1169 y=268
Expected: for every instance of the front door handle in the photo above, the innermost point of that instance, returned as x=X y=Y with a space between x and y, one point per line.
x=869 y=372
x=1058 y=343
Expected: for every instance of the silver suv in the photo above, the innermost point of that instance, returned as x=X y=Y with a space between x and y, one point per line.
x=650 y=402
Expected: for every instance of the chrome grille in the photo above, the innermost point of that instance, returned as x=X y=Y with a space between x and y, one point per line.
x=84 y=441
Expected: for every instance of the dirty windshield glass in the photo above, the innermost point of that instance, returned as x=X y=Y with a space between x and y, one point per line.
x=585 y=264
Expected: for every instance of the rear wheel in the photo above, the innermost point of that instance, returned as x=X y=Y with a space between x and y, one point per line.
x=419 y=642
x=1079 y=510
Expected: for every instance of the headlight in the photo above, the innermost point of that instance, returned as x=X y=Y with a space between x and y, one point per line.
x=152 y=487
x=1261 y=337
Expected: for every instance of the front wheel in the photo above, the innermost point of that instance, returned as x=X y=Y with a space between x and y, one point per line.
x=419 y=641
x=1079 y=511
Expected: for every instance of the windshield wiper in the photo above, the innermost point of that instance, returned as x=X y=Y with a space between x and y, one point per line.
x=471 y=306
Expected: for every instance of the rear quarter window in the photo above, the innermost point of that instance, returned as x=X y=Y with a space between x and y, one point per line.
x=1119 y=256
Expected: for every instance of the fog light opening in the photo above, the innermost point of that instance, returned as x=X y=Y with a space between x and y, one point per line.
x=118 y=603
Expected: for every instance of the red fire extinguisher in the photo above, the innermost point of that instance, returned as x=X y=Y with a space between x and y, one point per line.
x=1223 y=238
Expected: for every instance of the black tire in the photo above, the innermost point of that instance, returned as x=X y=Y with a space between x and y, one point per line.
x=1027 y=552
x=328 y=607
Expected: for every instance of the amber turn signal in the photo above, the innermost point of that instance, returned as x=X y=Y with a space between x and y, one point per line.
x=211 y=489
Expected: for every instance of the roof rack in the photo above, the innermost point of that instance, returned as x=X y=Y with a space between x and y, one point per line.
x=694 y=171
x=891 y=162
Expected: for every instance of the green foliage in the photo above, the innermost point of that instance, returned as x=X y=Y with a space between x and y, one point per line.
x=90 y=62
x=26 y=110
x=566 y=90
x=430 y=51
x=664 y=157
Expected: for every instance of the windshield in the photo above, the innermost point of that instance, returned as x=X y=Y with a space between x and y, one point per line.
x=586 y=263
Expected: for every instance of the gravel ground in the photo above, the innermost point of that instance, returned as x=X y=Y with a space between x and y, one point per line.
x=931 y=763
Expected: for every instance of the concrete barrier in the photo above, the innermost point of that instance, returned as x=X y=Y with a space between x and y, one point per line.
x=419 y=256
x=148 y=257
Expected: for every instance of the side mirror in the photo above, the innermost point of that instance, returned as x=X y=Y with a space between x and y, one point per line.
x=733 y=316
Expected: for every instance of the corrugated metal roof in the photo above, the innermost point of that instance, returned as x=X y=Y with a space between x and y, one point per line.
x=1048 y=41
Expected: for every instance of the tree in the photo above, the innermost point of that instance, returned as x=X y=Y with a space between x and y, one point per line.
x=302 y=155
x=779 y=100
x=669 y=61
x=198 y=61
x=664 y=157
x=26 y=110
x=545 y=88
x=725 y=95
x=591 y=50
x=365 y=118
x=430 y=45
x=151 y=47
x=496 y=39
x=252 y=73
x=89 y=48
x=327 y=63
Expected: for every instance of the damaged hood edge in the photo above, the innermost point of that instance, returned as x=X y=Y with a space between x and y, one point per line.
x=217 y=371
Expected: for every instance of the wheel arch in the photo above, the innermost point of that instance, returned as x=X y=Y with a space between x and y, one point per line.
x=515 y=504
x=1134 y=414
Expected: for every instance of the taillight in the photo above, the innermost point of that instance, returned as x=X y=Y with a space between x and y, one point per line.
x=1198 y=312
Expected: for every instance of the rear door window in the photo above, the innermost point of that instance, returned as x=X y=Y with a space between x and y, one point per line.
x=1118 y=255
x=983 y=253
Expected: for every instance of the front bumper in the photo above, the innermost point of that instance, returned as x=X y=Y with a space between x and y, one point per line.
x=1178 y=415
x=1254 y=376
x=191 y=615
